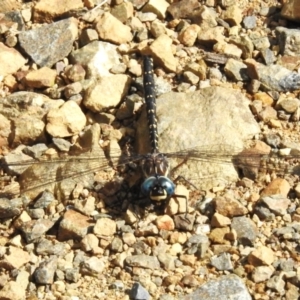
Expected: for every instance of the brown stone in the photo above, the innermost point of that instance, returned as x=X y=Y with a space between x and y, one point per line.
x=277 y=186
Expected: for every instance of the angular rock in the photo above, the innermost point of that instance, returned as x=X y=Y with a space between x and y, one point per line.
x=158 y=7
x=219 y=220
x=139 y=292
x=167 y=261
x=111 y=29
x=97 y=58
x=245 y=229
x=105 y=227
x=211 y=36
x=229 y=207
x=9 y=5
x=183 y=9
x=225 y=287
x=249 y=22
x=28 y=128
x=189 y=35
x=291 y=10
x=10 y=60
x=261 y=256
x=47 y=247
x=43 y=77
x=10 y=208
x=277 y=186
x=123 y=11
x=165 y=222
x=283 y=81
x=233 y=15
x=54 y=41
x=228 y=49
x=236 y=70
x=222 y=262
x=93 y=266
x=161 y=52
x=286 y=39
x=14 y=259
x=90 y=243
x=66 y=120
x=218 y=235
x=277 y=203
x=48 y=10
x=35 y=229
x=143 y=261
x=13 y=291
x=112 y=90
x=262 y=273
x=73 y=226
x=62 y=144
x=44 y=273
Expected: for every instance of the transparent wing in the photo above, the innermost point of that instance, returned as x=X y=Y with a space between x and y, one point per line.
x=204 y=166
x=37 y=175
x=218 y=164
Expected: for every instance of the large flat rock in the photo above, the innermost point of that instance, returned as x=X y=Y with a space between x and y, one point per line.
x=215 y=120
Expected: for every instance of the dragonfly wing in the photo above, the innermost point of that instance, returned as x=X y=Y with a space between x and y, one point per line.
x=205 y=166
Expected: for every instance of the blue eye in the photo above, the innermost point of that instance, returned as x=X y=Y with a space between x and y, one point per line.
x=167 y=184
x=158 y=186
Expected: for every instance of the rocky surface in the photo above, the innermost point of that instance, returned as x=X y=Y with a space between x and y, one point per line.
x=72 y=223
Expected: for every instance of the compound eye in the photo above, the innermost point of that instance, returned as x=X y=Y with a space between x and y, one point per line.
x=148 y=185
x=167 y=184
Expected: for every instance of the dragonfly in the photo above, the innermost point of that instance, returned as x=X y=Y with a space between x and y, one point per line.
x=36 y=175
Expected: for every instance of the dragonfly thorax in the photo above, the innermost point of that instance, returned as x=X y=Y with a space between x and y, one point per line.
x=158 y=188
x=155 y=164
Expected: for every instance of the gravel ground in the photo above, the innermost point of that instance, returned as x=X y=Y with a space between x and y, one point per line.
x=71 y=220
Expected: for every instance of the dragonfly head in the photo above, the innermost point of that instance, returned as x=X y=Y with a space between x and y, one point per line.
x=158 y=188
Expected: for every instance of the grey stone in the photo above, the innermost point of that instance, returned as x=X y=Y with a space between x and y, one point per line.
x=10 y=208
x=116 y=245
x=167 y=261
x=278 y=204
x=72 y=274
x=288 y=40
x=283 y=81
x=244 y=43
x=236 y=70
x=35 y=229
x=184 y=221
x=36 y=213
x=222 y=262
x=47 y=247
x=276 y=283
x=93 y=266
x=118 y=285
x=246 y=230
x=249 y=22
x=225 y=287
x=35 y=151
x=48 y=44
x=138 y=292
x=62 y=144
x=44 y=273
x=268 y=56
x=143 y=261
